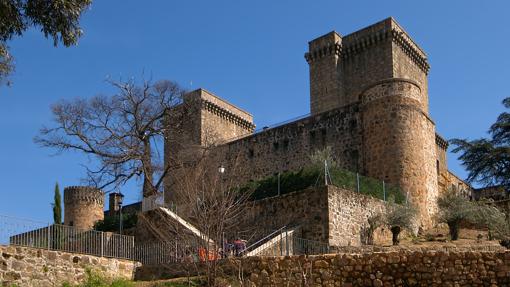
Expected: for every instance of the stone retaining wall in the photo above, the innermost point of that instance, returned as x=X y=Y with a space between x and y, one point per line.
x=22 y=266
x=327 y=214
x=404 y=268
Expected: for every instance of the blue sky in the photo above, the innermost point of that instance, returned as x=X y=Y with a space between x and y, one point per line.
x=250 y=53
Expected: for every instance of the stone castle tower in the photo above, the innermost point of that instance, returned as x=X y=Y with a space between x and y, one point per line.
x=383 y=71
x=368 y=102
x=83 y=206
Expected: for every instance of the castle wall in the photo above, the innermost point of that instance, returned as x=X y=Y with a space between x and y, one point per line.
x=83 y=206
x=288 y=147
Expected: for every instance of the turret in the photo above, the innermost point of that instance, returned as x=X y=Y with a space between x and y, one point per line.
x=83 y=206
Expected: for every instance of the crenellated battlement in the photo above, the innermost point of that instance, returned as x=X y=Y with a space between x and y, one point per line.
x=441 y=142
x=83 y=194
x=320 y=52
x=227 y=115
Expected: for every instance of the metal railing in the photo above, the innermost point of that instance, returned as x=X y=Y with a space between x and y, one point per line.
x=156 y=253
x=153 y=202
x=289 y=244
x=29 y=233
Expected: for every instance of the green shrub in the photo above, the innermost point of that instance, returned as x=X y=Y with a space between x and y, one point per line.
x=291 y=181
x=111 y=223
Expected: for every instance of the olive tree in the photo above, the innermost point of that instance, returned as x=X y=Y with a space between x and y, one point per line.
x=399 y=217
x=454 y=209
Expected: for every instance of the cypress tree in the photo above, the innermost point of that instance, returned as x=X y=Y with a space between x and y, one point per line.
x=57 y=205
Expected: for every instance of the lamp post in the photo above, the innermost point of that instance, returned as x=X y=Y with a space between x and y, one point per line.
x=121 y=197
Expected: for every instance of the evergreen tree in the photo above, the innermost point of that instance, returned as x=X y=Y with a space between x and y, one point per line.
x=57 y=205
x=488 y=159
x=58 y=20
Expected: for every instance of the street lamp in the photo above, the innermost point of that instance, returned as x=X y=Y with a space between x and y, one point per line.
x=119 y=202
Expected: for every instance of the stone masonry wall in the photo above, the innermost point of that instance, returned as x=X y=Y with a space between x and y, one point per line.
x=404 y=268
x=288 y=147
x=29 y=267
x=348 y=218
x=399 y=143
x=307 y=208
x=327 y=214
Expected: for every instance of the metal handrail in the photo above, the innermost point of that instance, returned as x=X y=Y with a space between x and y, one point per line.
x=265 y=238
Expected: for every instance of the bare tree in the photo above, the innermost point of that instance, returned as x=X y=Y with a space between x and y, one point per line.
x=124 y=132
x=206 y=201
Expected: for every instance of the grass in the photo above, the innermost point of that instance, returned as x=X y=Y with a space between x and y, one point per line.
x=96 y=280
x=313 y=176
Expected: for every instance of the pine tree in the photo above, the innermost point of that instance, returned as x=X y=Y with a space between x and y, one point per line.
x=57 y=206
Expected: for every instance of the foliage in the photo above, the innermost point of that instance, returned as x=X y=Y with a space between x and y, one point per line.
x=489 y=216
x=291 y=181
x=399 y=217
x=488 y=159
x=57 y=205
x=323 y=155
x=112 y=223
x=454 y=209
x=124 y=132
x=58 y=20
x=402 y=215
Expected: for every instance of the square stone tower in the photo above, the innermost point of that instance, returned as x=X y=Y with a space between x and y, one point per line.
x=341 y=67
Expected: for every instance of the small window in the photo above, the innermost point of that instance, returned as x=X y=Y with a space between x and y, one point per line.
x=312 y=137
x=250 y=153
x=286 y=144
x=437 y=167
x=275 y=145
x=71 y=223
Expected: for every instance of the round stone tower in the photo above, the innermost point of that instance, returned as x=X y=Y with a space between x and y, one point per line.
x=399 y=141
x=83 y=206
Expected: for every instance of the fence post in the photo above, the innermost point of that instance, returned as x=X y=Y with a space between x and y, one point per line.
x=281 y=243
x=102 y=244
x=357 y=182
x=287 y=242
x=384 y=190
x=49 y=235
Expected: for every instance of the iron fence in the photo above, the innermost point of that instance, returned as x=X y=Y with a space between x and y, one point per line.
x=29 y=233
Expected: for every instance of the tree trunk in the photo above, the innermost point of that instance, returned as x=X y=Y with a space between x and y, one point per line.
x=395 y=230
x=148 y=185
x=454 y=230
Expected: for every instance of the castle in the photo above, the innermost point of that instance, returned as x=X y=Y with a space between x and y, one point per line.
x=368 y=102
